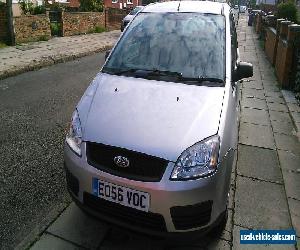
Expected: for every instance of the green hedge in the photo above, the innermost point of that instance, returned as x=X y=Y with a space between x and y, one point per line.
x=288 y=11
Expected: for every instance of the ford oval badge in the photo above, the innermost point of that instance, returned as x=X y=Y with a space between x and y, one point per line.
x=121 y=161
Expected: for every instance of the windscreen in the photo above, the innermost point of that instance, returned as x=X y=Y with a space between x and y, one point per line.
x=192 y=44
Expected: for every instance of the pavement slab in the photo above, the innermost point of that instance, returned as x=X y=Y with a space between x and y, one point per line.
x=275 y=99
x=259 y=163
x=267 y=82
x=270 y=88
x=118 y=239
x=289 y=160
x=266 y=75
x=50 y=242
x=280 y=116
x=293 y=107
x=256 y=77
x=296 y=116
x=294 y=206
x=287 y=142
x=252 y=84
x=292 y=184
x=75 y=226
x=256 y=135
x=277 y=106
x=255 y=116
x=286 y=128
x=273 y=94
x=253 y=93
x=254 y=103
x=260 y=205
x=289 y=96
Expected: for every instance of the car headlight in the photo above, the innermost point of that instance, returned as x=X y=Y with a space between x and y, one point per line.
x=74 y=136
x=199 y=160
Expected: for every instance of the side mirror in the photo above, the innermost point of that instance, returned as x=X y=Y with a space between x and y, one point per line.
x=244 y=70
x=107 y=54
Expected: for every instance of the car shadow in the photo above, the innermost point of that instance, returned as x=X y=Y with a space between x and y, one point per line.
x=82 y=230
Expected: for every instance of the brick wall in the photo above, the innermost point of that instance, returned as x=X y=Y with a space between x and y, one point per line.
x=31 y=28
x=271 y=44
x=281 y=61
x=75 y=23
x=114 y=18
x=285 y=51
x=74 y=3
x=3 y=24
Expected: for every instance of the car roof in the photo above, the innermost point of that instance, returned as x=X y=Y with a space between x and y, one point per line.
x=188 y=6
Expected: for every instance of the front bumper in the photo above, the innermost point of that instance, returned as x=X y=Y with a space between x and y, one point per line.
x=170 y=201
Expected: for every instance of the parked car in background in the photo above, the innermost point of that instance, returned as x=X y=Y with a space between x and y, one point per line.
x=236 y=14
x=152 y=141
x=243 y=8
x=130 y=16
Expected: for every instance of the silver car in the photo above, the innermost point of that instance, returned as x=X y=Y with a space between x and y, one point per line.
x=152 y=141
x=130 y=16
x=243 y=8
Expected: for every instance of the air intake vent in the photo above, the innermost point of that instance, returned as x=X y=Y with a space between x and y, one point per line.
x=141 y=167
x=187 y=217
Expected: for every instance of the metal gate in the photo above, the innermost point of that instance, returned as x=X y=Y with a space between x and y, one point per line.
x=114 y=17
x=56 y=23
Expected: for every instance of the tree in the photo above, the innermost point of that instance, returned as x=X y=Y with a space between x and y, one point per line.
x=287 y=10
x=91 y=5
x=26 y=6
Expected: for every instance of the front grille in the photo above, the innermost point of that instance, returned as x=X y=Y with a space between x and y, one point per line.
x=142 y=167
x=192 y=216
x=125 y=214
x=72 y=182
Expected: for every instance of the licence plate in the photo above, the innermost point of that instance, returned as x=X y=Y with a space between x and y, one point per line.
x=122 y=195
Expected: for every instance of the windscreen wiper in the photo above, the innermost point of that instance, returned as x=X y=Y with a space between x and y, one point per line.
x=157 y=72
x=117 y=71
x=207 y=81
x=143 y=72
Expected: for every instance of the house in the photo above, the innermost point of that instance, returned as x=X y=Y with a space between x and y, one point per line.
x=15 y=7
x=122 y=4
x=18 y=12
